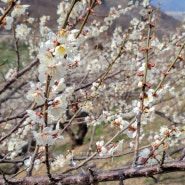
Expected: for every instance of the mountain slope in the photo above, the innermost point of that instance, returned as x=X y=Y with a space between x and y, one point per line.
x=167 y=24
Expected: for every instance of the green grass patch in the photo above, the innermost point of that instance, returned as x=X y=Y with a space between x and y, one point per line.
x=8 y=56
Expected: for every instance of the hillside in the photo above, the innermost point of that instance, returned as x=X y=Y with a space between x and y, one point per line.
x=167 y=24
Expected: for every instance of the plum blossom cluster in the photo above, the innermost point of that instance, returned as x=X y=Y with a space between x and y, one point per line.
x=75 y=14
x=62 y=160
x=14 y=146
x=108 y=150
x=166 y=138
x=58 y=56
x=115 y=121
x=17 y=141
x=7 y=21
x=21 y=30
x=47 y=137
x=37 y=162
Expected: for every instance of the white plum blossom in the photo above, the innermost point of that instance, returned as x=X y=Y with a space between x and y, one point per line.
x=45 y=55
x=36 y=117
x=119 y=122
x=109 y=149
x=30 y=20
x=143 y=156
x=90 y=120
x=145 y=3
x=78 y=8
x=140 y=84
x=57 y=107
x=6 y=1
x=101 y=148
x=11 y=74
x=59 y=86
x=94 y=66
x=55 y=69
x=142 y=68
x=69 y=90
x=149 y=98
x=113 y=14
x=88 y=107
x=44 y=30
x=36 y=165
x=44 y=19
x=36 y=93
x=62 y=160
x=134 y=22
x=19 y=10
x=115 y=147
x=60 y=51
x=141 y=26
x=94 y=86
x=7 y=21
x=67 y=37
x=30 y=124
x=11 y=145
x=22 y=132
x=131 y=131
x=57 y=55
x=47 y=137
x=22 y=31
x=143 y=12
x=164 y=131
x=62 y=7
x=15 y=145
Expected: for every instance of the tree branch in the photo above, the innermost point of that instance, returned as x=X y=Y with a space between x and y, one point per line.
x=22 y=72
x=112 y=175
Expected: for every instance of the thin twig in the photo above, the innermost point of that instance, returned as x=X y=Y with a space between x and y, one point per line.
x=95 y=153
x=13 y=3
x=143 y=88
x=19 y=74
x=86 y=17
x=165 y=74
x=92 y=140
x=68 y=13
x=45 y=116
x=15 y=128
x=16 y=49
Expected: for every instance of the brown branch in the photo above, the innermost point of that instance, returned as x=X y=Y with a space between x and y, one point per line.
x=166 y=117
x=13 y=130
x=169 y=68
x=71 y=120
x=136 y=150
x=19 y=115
x=182 y=155
x=13 y=161
x=16 y=89
x=22 y=72
x=13 y=3
x=86 y=17
x=16 y=40
x=30 y=169
x=68 y=13
x=45 y=115
x=92 y=140
x=111 y=156
x=111 y=175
